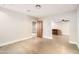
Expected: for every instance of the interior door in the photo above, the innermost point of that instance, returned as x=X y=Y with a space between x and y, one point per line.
x=39 y=29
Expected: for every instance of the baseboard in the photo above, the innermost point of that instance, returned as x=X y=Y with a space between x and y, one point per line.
x=74 y=43
x=47 y=37
x=11 y=42
x=77 y=44
x=69 y=41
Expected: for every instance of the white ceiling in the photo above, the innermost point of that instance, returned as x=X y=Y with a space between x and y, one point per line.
x=45 y=10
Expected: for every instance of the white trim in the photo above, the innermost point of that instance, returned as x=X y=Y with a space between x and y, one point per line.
x=7 y=43
x=74 y=43
x=69 y=41
x=47 y=37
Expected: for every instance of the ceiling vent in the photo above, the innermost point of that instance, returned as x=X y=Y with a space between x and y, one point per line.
x=62 y=20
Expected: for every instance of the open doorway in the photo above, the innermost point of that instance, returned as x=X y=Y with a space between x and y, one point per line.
x=34 y=28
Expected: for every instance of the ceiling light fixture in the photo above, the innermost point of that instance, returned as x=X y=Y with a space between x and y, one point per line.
x=38 y=6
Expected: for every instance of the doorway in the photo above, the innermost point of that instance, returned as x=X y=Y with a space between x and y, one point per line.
x=34 y=28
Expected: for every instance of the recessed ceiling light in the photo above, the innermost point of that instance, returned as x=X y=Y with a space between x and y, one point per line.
x=38 y=6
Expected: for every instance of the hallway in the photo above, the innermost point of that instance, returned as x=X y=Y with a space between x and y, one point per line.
x=40 y=46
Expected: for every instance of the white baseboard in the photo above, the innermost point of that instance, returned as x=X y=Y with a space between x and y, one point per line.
x=74 y=43
x=47 y=37
x=15 y=41
x=32 y=37
x=69 y=41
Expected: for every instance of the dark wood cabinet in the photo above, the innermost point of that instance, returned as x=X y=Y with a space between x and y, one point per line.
x=56 y=32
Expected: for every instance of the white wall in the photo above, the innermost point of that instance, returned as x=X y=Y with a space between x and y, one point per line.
x=69 y=28
x=78 y=27
x=14 y=26
x=47 y=31
x=63 y=26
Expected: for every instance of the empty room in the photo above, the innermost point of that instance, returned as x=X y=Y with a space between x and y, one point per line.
x=39 y=28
